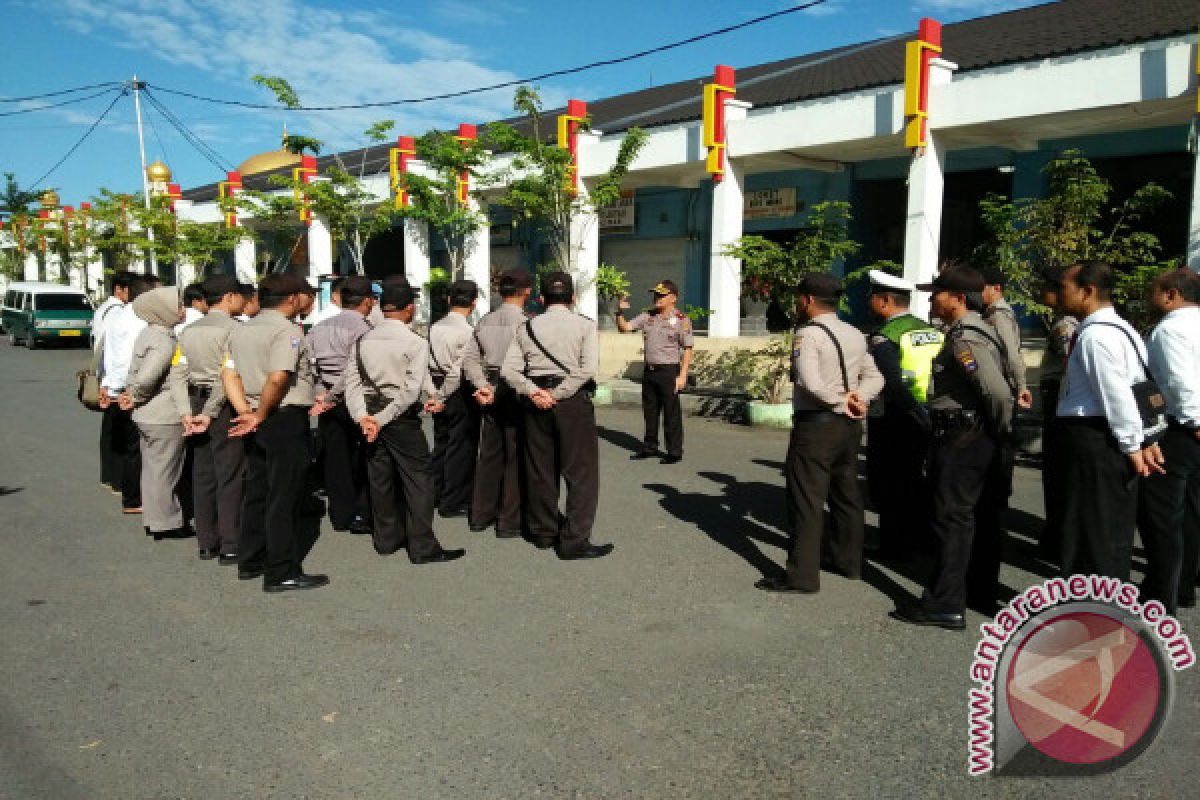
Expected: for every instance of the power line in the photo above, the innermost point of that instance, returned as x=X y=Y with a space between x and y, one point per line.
x=507 y=84
x=58 y=93
x=82 y=139
x=188 y=135
x=57 y=105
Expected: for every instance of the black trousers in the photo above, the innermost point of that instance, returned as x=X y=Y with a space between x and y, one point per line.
x=1190 y=574
x=1100 y=490
x=970 y=476
x=561 y=442
x=275 y=537
x=218 y=475
x=127 y=456
x=455 y=448
x=110 y=462
x=897 y=449
x=344 y=460
x=402 y=490
x=659 y=398
x=1162 y=518
x=822 y=466
x=497 y=491
x=1050 y=543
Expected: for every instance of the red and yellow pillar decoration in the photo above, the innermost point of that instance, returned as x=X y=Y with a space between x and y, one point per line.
x=398 y=160
x=568 y=139
x=302 y=175
x=466 y=133
x=39 y=227
x=918 y=56
x=723 y=87
x=227 y=190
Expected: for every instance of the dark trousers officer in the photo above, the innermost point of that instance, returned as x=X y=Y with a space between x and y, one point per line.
x=1050 y=543
x=343 y=453
x=822 y=466
x=110 y=462
x=1100 y=490
x=659 y=398
x=275 y=536
x=127 y=456
x=1190 y=574
x=455 y=447
x=897 y=449
x=402 y=489
x=971 y=482
x=562 y=441
x=1162 y=518
x=218 y=472
x=496 y=495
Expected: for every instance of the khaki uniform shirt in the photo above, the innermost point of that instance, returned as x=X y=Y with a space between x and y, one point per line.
x=396 y=361
x=969 y=374
x=203 y=348
x=817 y=371
x=664 y=338
x=569 y=337
x=329 y=343
x=448 y=338
x=1002 y=317
x=489 y=344
x=270 y=342
x=149 y=379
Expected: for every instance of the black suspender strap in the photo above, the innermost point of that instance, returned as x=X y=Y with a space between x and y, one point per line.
x=1137 y=352
x=841 y=356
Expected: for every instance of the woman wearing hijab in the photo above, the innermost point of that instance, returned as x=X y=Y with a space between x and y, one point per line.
x=158 y=412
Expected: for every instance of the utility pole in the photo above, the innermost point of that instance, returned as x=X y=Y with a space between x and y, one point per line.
x=137 y=105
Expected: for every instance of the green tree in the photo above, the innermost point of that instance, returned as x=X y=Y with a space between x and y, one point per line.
x=14 y=199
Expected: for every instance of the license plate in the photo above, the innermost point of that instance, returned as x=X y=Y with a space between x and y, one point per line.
x=70 y=333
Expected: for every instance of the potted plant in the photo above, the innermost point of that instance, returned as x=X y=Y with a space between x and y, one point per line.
x=768 y=384
x=436 y=290
x=611 y=285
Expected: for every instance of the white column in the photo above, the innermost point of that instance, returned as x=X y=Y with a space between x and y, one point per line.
x=185 y=272
x=243 y=260
x=725 y=273
x=93 y=270
x=31 y=266
x=1193 y=257
x=320 y=249
x=478 y=266
x=416 y=262
x=926 y=191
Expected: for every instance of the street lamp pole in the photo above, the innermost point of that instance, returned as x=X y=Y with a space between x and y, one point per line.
x=137 y=105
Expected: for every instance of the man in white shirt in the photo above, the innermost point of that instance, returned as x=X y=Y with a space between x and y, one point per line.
x=1162 y=516
x=1102 y=447
x=110 y=468
x=195 y=306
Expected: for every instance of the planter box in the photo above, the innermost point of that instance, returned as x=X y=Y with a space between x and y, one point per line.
x=769 y=415
x=606 y=307
x=603 y=395
x=754 y=318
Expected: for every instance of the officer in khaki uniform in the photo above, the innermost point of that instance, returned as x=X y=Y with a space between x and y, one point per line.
x=385 y=374
x=667 y=336
x=218 y=461
x=971 y=407
x=551 y=364
x=268 y=379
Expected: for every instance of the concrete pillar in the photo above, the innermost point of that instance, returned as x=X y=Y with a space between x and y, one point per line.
x=1193 y=256
x=724 y=272
x=320 y=249
x=416 y=263
x=93 y=271
x=31 y=266
x=478 y=265
x=185 y=272
x=243 y=260
x=926 y=192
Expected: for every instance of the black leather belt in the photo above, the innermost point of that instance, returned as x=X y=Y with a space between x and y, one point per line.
x=816 y=415
x=656 y=367
x=947 y=420
x=199 y=391
x=546 y=381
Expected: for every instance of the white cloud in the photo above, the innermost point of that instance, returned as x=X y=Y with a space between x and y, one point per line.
x=975 y=7
x=827 y=9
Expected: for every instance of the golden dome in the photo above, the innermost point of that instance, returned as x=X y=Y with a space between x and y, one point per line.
x=49 y=199
x=265 y=162
x=158 y=172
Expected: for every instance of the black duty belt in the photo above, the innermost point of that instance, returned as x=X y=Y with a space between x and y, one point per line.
x=946 y=420
x=546 y=381
x=657 y=367
x=816 y=415
x=196 y=390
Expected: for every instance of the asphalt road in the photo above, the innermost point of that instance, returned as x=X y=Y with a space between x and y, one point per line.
x=133 y=670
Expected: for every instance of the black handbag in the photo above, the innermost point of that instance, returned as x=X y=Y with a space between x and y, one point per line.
x=1152 y=405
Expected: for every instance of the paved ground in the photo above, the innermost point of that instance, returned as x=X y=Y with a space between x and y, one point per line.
x=133 y=670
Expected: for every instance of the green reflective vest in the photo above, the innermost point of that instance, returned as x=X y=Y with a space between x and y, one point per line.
x=919 y=345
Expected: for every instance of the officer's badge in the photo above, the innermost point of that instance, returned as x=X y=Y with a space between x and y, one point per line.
x=967 y=359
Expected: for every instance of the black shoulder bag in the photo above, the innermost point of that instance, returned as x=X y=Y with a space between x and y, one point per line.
x=1152 y=406
x=841 y=355
x=589 y=387
x=376 y=401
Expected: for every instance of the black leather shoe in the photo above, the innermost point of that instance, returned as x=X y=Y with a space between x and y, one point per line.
x=208 y=553
x=671 y=459
x=301 y=581
x=477 y=528
x=916 y=615
x=592 y=551
x=360 y=527
x=249 y=574
x=779 y=584
x=174 y=533
x=441 y=556
x=451 y=513
x=644 y=454
x=541 y=542
x=502 y=534
x=226 y=559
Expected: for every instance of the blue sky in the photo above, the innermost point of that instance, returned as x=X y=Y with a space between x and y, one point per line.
x=358 y=51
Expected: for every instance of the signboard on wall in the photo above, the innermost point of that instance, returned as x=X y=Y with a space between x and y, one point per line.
x=619 y=217
x=767 y=203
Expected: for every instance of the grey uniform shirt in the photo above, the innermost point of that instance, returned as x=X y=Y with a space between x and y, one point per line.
x=664 y=338
x=148 y=380
x=570 y=337
x=817 y=371
x=266 y=343
x=329 y=344
x=969 y=373
x=203 y=349
x=396 y=361
x=1002 y=317
x=493 y=333
x=448 y=338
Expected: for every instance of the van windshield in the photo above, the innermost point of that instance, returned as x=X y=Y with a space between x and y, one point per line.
x=60 y=302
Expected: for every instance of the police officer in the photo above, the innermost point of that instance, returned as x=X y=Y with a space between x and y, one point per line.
x=269 y=382
x=667 y=337
x=343 y=450
x=551 y=364
x=898 y=428
x=1001 y=316
x=835 y=380
x=218 y=461
x=971 y=405
x=496 y=495
x=455 y=412
x=384 y=379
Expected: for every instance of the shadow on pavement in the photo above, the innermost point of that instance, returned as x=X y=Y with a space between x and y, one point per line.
x=7 y=490
x=620 y=438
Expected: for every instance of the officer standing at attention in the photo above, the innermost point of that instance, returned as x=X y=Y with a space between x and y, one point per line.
x=218 y=461
x=496 y=497
x=387 y=370
x=898 y=427
x=269 y=382
x=1000 y=315
x=835 y=381
x=455 y=412
x=552 y=364
x=971 y=405
x=667 y=337
x=342 y=446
